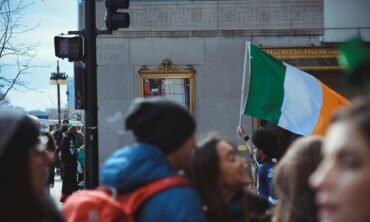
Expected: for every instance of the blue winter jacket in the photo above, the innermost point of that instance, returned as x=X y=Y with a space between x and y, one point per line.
x=138 y=164
x=265 y=173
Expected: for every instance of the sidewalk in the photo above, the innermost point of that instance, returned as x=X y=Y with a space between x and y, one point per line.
x=57 y=190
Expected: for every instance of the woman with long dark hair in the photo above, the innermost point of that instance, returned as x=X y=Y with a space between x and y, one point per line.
x=219 y=176
x=23 y=170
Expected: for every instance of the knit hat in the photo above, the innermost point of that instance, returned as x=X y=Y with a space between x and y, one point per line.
x=352 y=53
x=266 y=141
x=160 y=122
x=18 y=131
x=354 y=57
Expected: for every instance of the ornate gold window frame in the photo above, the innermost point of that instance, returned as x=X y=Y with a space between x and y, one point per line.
x=168 y=70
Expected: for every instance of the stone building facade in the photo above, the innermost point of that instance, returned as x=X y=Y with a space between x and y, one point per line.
x=210 y=36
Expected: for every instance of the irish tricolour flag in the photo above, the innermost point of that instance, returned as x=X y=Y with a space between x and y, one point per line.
x=289 y=97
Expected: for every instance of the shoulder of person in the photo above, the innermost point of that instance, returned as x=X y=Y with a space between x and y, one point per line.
x=174 y=204
x=176 y=198
x=183 y=195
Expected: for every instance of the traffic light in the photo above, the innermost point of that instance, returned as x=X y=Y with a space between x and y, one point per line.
x=69 y=47
x=113 y=19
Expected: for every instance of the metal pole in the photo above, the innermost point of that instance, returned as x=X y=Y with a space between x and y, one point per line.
x=59 y=120
x=246 y=60
x=91 y=114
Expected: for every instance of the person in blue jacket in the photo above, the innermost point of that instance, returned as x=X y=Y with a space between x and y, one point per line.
x=266 y=146
x=165 y=138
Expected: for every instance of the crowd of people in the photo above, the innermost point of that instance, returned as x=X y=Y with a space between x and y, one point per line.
x=316 y=179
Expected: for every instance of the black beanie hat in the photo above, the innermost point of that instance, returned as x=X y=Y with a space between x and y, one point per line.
x=17 y=131
x=160 y=122
x=266 y=141
x=18 y=136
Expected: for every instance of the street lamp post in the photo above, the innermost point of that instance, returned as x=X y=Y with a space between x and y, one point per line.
x=58 y=78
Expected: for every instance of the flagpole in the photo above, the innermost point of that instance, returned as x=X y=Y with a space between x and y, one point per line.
x=246 y=58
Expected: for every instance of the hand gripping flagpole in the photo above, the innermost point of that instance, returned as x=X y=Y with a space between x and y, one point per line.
x=247 y=58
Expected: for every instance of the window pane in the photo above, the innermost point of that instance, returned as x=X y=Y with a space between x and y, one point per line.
x=174 y=89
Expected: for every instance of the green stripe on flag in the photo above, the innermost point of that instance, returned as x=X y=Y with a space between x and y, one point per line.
x=266 y=86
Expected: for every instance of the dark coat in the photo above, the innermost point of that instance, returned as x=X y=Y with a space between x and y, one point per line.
x=51 y=173
x=69 y=159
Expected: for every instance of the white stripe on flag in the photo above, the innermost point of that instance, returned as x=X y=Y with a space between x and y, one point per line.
x=302 y=101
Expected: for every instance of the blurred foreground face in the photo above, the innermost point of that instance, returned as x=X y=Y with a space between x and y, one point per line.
x=232 y=167
x=342 y=181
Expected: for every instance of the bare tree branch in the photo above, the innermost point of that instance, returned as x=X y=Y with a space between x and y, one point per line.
x=12 y=83
x=11 y=26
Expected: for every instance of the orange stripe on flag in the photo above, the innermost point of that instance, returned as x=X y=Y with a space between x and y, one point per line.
x=331 y=101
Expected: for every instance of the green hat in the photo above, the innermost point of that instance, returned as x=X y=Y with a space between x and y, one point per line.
x=69 y=125
x=354 y=57
x=352 y=53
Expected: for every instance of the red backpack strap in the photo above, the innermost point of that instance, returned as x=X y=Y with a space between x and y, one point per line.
x=132 y=201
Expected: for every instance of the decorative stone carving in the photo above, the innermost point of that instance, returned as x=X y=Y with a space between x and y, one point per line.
x=304 y=58
x=303 y=53
x=251 y=16
x=166 y=66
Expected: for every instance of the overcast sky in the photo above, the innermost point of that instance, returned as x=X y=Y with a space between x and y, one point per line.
x=54 y=17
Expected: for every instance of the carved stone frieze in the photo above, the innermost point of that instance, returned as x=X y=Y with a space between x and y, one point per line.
x=244 y=15
x=251 y=16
